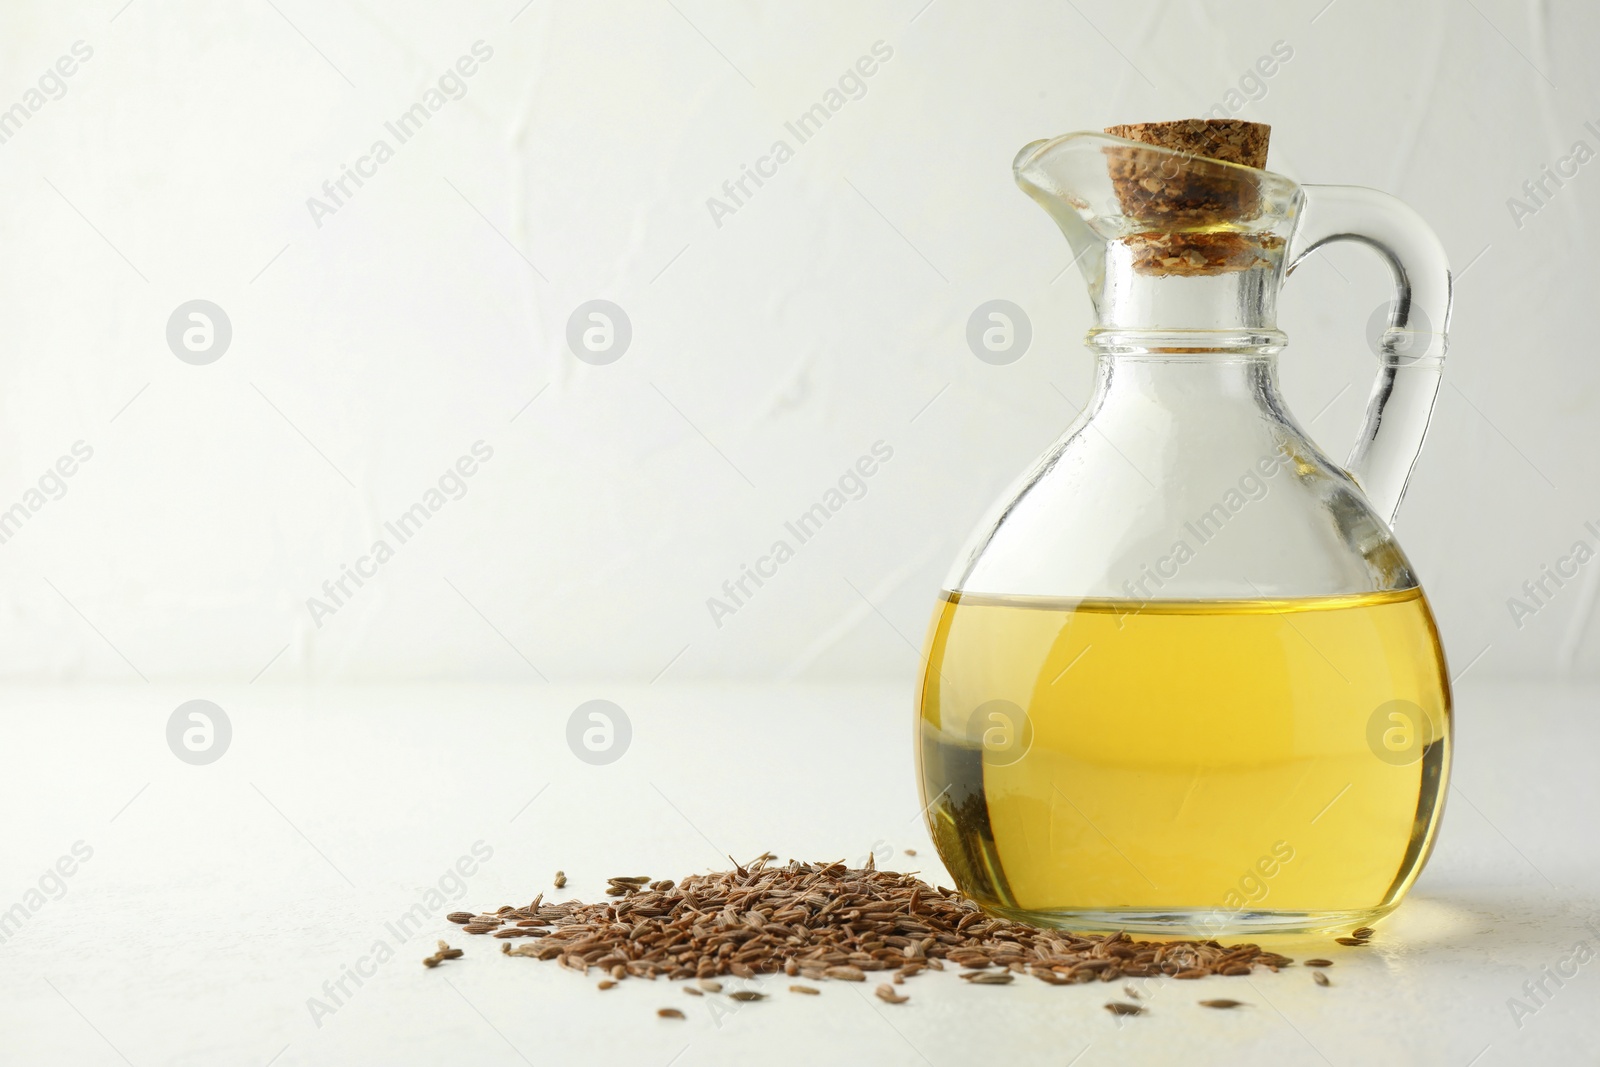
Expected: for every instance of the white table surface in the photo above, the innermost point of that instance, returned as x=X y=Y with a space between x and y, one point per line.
x=219 y=899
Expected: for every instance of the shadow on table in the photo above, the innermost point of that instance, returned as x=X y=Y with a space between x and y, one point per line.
x=1505 y=918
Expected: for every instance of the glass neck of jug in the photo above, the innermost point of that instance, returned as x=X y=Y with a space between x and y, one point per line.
x=1140 y=309
x=1194 y=399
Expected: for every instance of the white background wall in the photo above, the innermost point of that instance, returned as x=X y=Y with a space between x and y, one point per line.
x=768 y=353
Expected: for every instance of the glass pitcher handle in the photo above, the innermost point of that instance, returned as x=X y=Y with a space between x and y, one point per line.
x=1411 y=350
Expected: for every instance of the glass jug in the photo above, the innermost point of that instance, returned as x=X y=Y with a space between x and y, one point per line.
x=1184 y=678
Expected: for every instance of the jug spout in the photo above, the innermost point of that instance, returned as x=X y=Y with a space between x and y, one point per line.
x=1167 y=241
x=1049 y=178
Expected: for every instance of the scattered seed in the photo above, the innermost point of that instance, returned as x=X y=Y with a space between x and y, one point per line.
x=746 y=994
x=809 y=990
x=1351 y=940
x=561 y=880
x=1362 y=932
x=886 y=992
x=460 y=916
x=1132 y=992
x=1319 y=963
x=710 y=986
x=988 y=977
x=536 y=951
x=669 y=1013
x=692 y=991
x=1117 y=1007
x=605 y=984
x=444 y=952
x=911 y=852
x=1320 y=978
x=846 y=974
x=1223 y=1004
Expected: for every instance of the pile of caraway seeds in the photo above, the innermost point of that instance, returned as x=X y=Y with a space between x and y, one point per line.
x=821 y=921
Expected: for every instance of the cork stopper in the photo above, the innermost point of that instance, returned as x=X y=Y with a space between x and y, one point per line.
x=1230 y=140
x=1175 y=199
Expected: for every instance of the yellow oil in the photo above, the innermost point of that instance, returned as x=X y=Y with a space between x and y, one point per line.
x=1220 y=765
